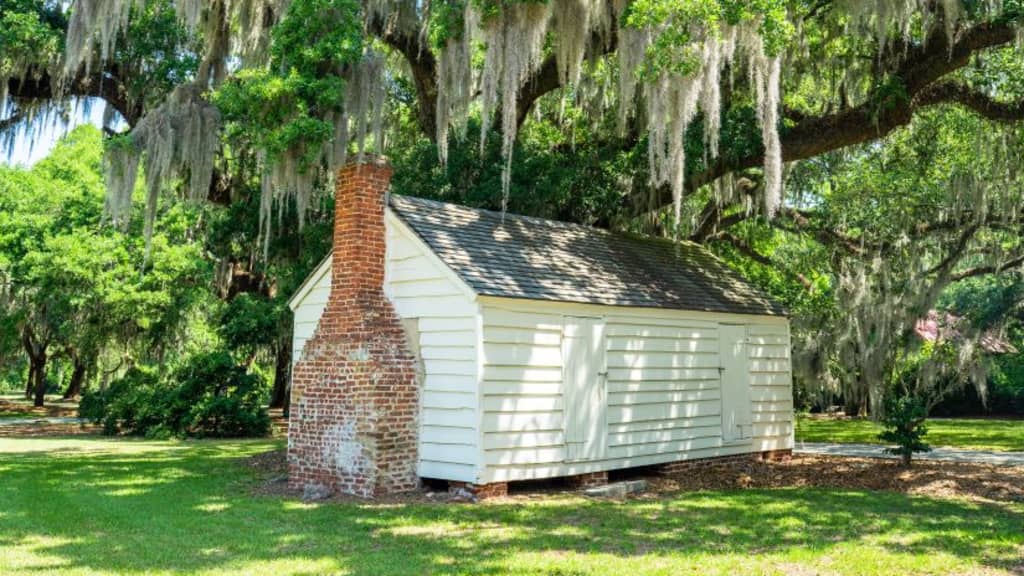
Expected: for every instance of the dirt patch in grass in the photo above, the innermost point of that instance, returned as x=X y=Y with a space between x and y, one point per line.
x=25 y=409
x=48 y=430
x=979 y=482
x=937 y=479
x=273 y=463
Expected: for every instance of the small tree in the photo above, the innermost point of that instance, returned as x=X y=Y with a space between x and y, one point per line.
x=904 y=426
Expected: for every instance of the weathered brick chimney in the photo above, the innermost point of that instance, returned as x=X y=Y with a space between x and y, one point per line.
x=353 y=425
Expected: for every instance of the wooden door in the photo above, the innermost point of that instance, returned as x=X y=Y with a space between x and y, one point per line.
x=735 y=382
x=584 y=382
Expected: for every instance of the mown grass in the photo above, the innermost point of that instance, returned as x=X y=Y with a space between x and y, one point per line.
x=975 y=434
x=99 y=506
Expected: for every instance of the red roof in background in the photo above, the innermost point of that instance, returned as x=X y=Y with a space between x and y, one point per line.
x=943 y=326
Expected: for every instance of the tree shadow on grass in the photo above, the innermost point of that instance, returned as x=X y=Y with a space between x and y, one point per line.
x=192 y=510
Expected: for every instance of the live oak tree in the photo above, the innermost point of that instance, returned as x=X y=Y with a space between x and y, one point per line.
x=76 y=293
x=689 y=110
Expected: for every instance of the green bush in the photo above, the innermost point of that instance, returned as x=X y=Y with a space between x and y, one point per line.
x=129 y=403
x=208 y=395
x=216 y=397
x=904 y=426
x=1005 y=392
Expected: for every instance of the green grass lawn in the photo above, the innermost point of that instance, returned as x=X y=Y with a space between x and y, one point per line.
x=1001 y=435
x=99 y=506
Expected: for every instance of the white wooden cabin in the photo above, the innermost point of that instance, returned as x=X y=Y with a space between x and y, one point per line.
x=549 y=349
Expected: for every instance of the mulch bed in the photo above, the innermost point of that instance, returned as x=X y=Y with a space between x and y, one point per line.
x=982 y=482
x=978 y=482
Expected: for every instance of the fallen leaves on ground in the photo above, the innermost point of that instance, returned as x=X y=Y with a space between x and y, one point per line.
x=927 y=478
x=980 y=482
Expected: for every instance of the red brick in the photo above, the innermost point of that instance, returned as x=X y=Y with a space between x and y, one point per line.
x=591 y=480
x=479 y=491
x=774 y=455
x=686 y=465
x=355 y=398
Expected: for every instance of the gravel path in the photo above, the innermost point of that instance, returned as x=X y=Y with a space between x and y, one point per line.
x=939 y=454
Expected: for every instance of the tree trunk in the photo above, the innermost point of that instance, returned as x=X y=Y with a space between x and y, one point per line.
x=282 y=375
x=905 y=458
x=74 y=389
x=30 y=381
x=851 y=405
x=36 y=352
x=40 y=379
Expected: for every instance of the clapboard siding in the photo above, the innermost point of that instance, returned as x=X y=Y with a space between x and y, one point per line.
x=306 y=313
x=523 y=412
x=420 y=287
x=664 y=393
x=771 y=386
x=663 y=388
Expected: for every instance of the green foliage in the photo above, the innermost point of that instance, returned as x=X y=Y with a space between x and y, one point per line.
x=250 y=323
x=80 y=288
x=216 y=397
x=553 y=176
x=888 y=95
x=318 y=37
x=132 y=402
x=288 y=106
x=161 y=54
x=447 y=21
x=266 y=111
x=209 y=395
x=675 y=21
x=904 y=426
x=31 y=32
x=1006 y=385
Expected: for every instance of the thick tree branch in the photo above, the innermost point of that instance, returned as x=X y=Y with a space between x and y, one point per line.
x=105 y=84
x=947 y=263
x=545 y=78
x=11 y=120
x=828 y=236
x=982 y=270
x=749 y=251
x=920 y=66
x=948 y=92
x=712 y=218
x=422 y=64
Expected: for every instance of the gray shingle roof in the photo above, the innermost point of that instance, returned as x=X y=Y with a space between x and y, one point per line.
x=521 y=257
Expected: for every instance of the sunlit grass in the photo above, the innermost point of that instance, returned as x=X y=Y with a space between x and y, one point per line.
x=102 y=506
x=976 y=434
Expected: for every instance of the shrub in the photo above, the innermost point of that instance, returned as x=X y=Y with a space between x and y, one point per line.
x=904 y=426
x=1005 y=392
x=129 y=403
x=216 y=397
x=208 y=395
